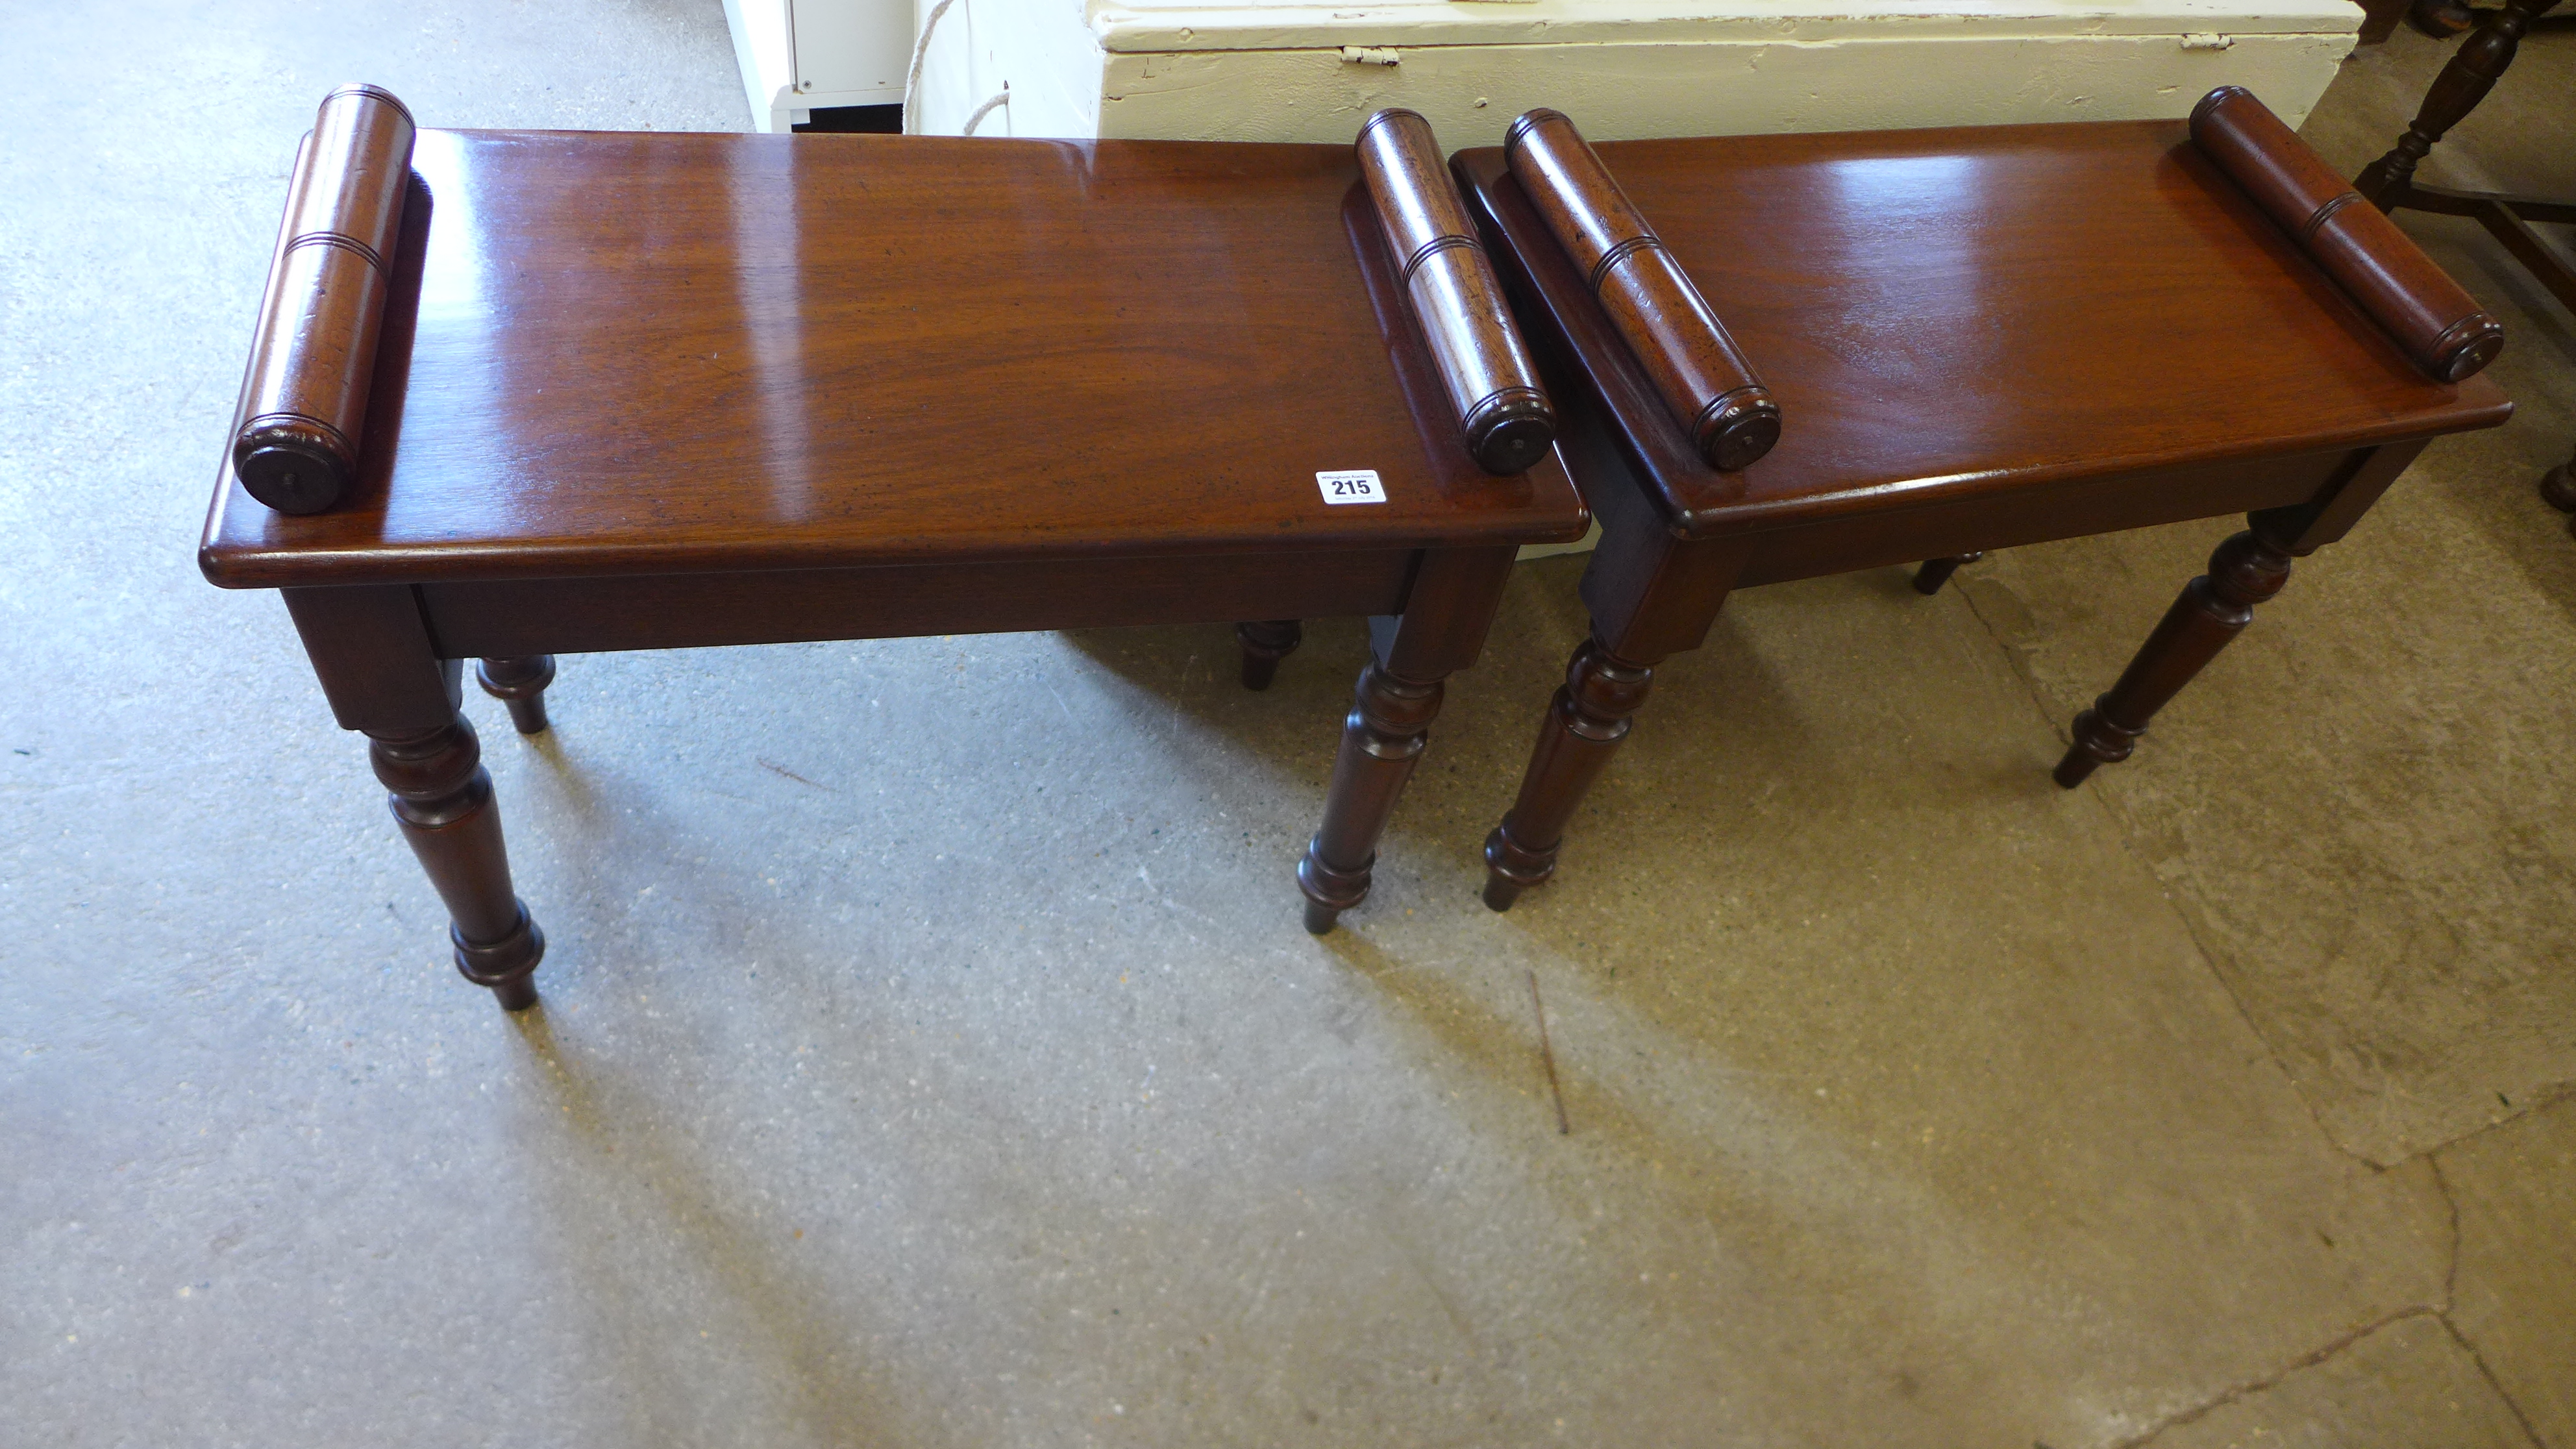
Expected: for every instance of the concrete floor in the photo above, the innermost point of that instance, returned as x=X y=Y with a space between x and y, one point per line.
x=931 y=1056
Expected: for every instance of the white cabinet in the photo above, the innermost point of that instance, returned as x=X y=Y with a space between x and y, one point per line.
x=800 y=55
x=1284 y=70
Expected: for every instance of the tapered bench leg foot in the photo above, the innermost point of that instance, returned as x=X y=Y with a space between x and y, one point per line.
x=1381 y=740
x=1935 y=572
x=2558 y=487
x=442 y=799
x=1586 y=721
x=2245 y=570
x=521 y=684
x=1264 y=645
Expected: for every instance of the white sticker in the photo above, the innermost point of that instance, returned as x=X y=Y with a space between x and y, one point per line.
x=1360 y=485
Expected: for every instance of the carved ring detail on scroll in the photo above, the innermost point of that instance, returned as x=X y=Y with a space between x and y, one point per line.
x=304 y=400
x=2440 y=328
x=1705 y=380
x=1503 y=413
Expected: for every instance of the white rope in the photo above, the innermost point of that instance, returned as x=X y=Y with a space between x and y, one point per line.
x=984 y=110
x=912 y=77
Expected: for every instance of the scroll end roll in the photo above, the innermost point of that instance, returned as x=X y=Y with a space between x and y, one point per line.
x=2223 y=95
x=1708 y=386
x=1386 y=115
x=360 y=88
x=1511 y=431
x=2464 y=351
x=304 y=400
x=1524 y=123
x=1503 y=414
x=293 y=464
x=1738 y=429
x=2439 y=327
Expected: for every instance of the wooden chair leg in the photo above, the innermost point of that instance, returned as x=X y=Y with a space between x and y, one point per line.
x=442 y=797
x=521 y=684
x=2465 y=81
x=2558 y=488
x=1381 y=740
x=1584 y=725
x=1264 y=645
x=2245 y=570
x=1935 y=572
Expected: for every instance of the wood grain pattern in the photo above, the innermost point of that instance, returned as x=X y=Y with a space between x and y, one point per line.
x=1442 y=629
x=943 y=388
x=2438 y=324
x=1990 y=337
x=621 y=353
x=442 y=799
x=1264 y=642
x=520 y=683
x=1583 y=727
x=1705 y=379
x=1937 y=571
x=1936 y=311
x=1382 y=740
x=2247 y=569
x=298 y=434
x=515 y=617
x=1503 y=413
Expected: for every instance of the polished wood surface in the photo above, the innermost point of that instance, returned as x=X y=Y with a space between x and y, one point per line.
x=1704 y=378
x=1264 y=643
x=622 y=353
x=1503 y=413
x=1937 y=571
x=442 y=799
x=644 y=392
x=299 y=431
x=1397 y=698
x=1949 y=316
x=2431 y=317
x=1978 y=339
x=2246 y=570
x=520 y=683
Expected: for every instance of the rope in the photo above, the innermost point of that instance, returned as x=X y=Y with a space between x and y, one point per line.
x=912 y=77
x=984 y=110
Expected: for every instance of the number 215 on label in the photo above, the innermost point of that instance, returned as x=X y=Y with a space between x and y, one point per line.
x=1360 y=485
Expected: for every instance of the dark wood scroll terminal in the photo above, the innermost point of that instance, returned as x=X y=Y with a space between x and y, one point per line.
x=1704 y=377
x=1502 y=410
x=295 y=447
x=2440 y=328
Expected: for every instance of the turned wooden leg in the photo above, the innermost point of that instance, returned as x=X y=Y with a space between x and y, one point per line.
x=2558 y=488
x=443 y=799
x=1264 y=645
x=1381 y=740
x=2465 y=81
x=1936 y=572
x=1584 y=725
x=2245 y=570
x=521 y=684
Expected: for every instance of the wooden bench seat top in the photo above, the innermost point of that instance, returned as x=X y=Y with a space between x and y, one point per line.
x=1980 y=311
x=624 y=353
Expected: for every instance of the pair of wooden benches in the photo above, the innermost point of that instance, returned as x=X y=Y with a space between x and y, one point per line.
x=518 y=394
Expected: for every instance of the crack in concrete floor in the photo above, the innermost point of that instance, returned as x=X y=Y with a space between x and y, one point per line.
x=815 y=1143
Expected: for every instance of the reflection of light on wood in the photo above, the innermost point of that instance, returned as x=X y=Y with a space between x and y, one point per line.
x=769 y=284
x=1927 y=235
x=452 y=282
